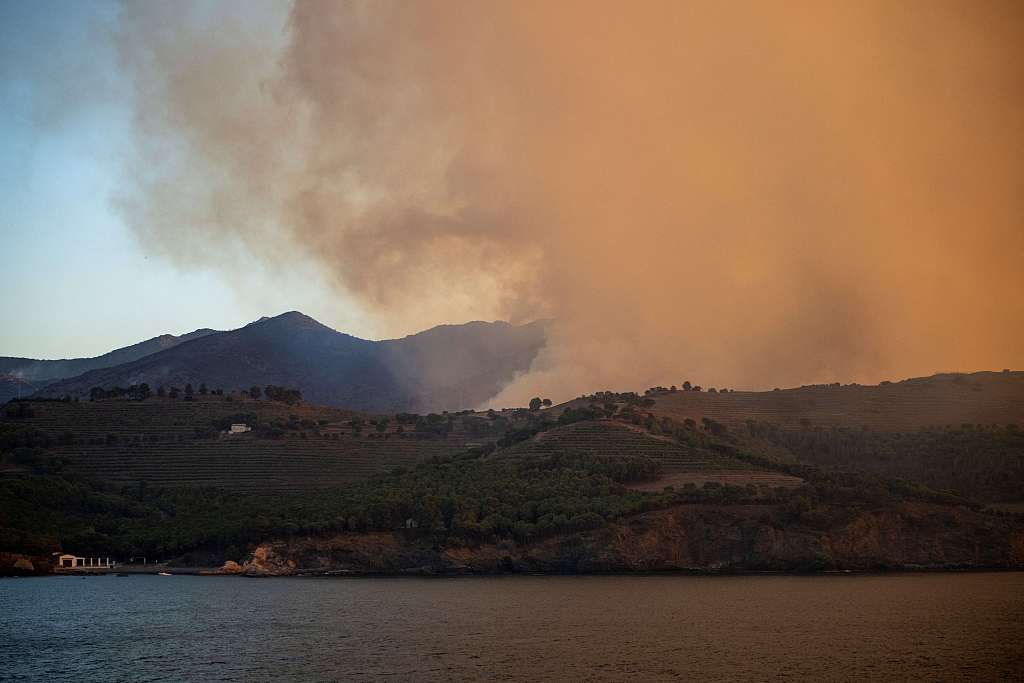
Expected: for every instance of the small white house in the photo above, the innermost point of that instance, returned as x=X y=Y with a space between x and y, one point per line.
x=66 y=561
x=239 y=428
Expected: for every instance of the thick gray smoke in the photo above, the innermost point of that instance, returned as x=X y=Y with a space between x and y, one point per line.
x=744 y=195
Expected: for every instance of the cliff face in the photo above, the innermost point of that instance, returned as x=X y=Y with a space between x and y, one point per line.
x=693 y=537
x=16 y=564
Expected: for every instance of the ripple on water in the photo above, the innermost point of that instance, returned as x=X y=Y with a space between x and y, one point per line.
x=902 y=626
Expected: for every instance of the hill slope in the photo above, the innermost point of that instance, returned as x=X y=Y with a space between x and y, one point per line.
x=164 y=442
x=950 y=432
x=22 y=376
x=598 y=489
x=939 y=400
x=604 y=485
x=445 y=368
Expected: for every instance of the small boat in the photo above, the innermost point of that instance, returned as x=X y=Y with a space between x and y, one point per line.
x=164 y=574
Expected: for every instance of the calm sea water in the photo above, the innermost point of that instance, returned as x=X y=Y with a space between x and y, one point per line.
x=902 y=627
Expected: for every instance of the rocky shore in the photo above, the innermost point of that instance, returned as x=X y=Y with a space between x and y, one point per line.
x=19 y=564
x=693 y=538
x=689 y=538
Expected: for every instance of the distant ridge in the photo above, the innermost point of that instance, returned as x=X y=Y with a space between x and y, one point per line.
x=448 y=367
x=22 y=376
x=982 y=398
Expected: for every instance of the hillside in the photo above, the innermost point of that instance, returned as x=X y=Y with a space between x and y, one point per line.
x=679 y=463
x=446 y=368
x=172 y=442
x=598 y=485
x=939 y=400
x=22 y=376
x=164 y=442
x=951 y=432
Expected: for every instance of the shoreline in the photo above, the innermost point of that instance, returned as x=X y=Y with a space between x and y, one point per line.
x=421 y=574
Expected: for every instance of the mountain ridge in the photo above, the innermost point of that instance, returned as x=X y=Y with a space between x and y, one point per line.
x=23 y=376
x=445 y=367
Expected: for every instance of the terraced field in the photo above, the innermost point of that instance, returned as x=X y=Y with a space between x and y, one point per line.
x=680 y=464
x=154 y=442
x=162 y=417
x=979 y=398
x=247 y=464
x=161 y=441
x=610 y=438
x=732 y=477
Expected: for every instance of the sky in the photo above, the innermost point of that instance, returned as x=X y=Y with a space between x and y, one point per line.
x=77 y=280
x=749 y=195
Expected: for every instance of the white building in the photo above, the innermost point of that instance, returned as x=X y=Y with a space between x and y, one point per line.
x=65 y=561
x=239 y=428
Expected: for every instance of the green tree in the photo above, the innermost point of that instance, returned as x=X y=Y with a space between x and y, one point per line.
x=535 y=403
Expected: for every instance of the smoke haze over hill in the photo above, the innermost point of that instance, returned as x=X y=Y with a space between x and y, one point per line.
x=830 y=193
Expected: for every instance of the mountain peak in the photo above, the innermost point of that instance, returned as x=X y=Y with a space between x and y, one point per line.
x=290 y=319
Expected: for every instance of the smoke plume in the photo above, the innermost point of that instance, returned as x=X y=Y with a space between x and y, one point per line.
x=743 y=195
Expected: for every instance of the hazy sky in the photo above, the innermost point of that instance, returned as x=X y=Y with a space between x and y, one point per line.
x=76 y=280
x=743 y=194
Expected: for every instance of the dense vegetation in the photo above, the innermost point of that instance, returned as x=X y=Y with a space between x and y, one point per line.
x=464 y=478
x=985 y=462
x=464 y=499
x=478 y=496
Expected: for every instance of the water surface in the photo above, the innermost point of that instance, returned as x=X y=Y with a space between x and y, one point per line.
x=899 y=626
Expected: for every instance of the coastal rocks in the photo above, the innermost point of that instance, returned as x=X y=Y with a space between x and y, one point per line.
x=346 y=553
x=24 y=564
x=922 y=535
x=267 y=561
x=696 y=538
x=231 y=567
x=702 y=538
x=1017 y=548
x=17 y=564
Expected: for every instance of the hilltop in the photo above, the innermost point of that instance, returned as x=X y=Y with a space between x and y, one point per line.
x=445 y=368
x=938 y=400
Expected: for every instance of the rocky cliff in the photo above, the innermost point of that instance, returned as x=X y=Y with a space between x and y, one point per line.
x=17 y=564
x=696 y=538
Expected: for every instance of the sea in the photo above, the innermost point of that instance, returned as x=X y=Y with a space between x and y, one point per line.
x=887 y=627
